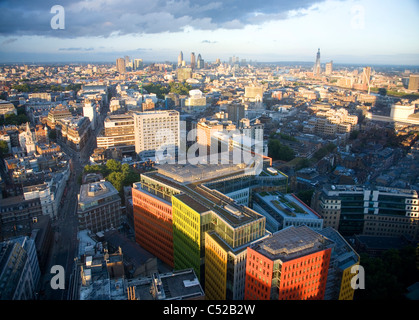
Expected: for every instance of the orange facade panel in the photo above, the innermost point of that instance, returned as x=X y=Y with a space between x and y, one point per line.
x=302 y=278
x=305 y=278
x=258 y=281
x=153 y=225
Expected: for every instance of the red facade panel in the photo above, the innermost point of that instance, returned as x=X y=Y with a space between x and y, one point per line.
x=303 y=278
x=153 y=225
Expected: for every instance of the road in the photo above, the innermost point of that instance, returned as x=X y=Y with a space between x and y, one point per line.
x=64 y=249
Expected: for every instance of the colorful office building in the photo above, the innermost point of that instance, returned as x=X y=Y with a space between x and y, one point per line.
x=190 y=220
x=210 y=229
x=341 y=267
x=292 y=264
x=152 y=210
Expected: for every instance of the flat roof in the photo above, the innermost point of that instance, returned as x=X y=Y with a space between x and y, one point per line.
x=287 y=205
x=291 y=243
x=203 y=199
x=192 y=203
x=192 y=173
x=177 y=285
x=96 y=190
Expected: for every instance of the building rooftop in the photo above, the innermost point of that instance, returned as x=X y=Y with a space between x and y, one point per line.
x=177 y=285
x=287 y=205
x=352 y=188
x=190 y=173
x=203 y=199
x=291 y=243
x=92 y=193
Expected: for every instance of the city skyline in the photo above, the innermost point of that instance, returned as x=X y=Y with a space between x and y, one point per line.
x=347 y=31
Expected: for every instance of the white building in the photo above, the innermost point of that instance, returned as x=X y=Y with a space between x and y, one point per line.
x=401 y=112
x=27 y=140
x=156 y=131
x=196 y=101
x=49 y=193
x=89 y=111
x=284 y=210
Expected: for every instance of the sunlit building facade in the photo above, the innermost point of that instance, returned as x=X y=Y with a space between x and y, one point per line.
x=292 y=264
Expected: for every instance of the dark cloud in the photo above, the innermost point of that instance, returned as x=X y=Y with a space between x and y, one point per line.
x=119 y=17
x=75 y=49
x=8 y=41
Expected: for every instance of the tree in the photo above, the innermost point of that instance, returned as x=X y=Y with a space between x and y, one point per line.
x=113 y=165
x=181 y=88
x=382 y=91
x=117 y=180
x=305 y=196
x=303 y=163
x=279 y=151
x=388 y=276
x=4 y=148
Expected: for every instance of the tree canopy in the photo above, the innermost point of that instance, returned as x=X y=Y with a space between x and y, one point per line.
x=279 y=151
x=119 y=175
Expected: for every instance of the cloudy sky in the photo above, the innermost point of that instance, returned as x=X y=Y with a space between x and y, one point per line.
x=346 y=31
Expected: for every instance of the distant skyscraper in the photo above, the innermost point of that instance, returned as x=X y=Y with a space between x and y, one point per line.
x=138 y=64
x=317 y=68
x=120 y=65
x=180 y=59
x=193 y=62
x=366 y=75
x=329 y=68
x=414 y=82
x=199 y=62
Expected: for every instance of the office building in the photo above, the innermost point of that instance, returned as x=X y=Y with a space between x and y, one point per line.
x=196 y=102
x=206 y=129
x=343 y=259
x=89 y=111
x=374 y=211
x=180 y=59
x=284 y=210
x=19 y=269
x=236 y=112
x=138 y=64
x=199 y=62
x=401 y=112
x=366 y=76
x=156 y=131
x=74 y=131
x=99 y=207
x=292 y=264
x=57 y=113
x=152 y=210
x=121 y=65
x=118 y=132
x=148 y=105
x=18 y=212
x=176 y=285
x=253 y=93
x=183 y=73
x=191 y=210
x=413 y=82
x=7 y=108
x=193 y=61
x=329 y=68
